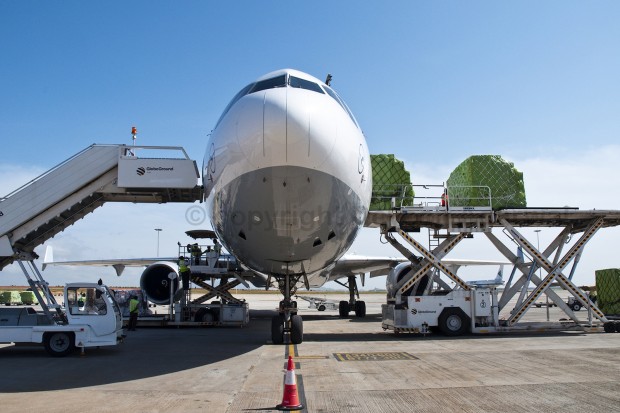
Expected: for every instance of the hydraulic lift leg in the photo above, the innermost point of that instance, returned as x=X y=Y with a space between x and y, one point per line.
x=555 y=271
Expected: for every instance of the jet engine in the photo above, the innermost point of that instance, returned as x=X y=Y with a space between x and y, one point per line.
x=156 y=284
x=396 y=275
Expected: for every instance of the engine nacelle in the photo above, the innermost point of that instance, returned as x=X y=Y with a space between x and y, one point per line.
x=396 y=275
x=156 y=284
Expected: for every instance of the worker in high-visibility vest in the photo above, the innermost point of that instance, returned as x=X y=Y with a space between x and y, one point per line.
x=184 y=272
x=196 y=253
x=133 y=313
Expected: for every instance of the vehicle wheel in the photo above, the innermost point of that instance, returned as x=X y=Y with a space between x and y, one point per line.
x=297 y=329
x=321 y=308
x=203 y=315
x=576 y=306
x=617 y=326
x=59 y=344
x=277 y=329
x=360 y=309
x=453 y=322
x=609 y=327
x=343 y=309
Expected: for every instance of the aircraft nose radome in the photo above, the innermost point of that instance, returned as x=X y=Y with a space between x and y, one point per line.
x=285 y=127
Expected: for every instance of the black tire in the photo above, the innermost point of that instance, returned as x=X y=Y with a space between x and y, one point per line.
x=297 y=329
x=59 y=344
x=360 y=309
x=617 y=326
x=609 y=327
x=576 y=306
x=453 y=322
x=343 y=309
x=321 y=307
x=277 y=329
x=204 y=315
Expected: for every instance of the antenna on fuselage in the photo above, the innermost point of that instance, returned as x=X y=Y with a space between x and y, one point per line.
x=328 y=80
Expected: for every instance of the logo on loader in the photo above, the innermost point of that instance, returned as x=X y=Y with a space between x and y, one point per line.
x=141 y=171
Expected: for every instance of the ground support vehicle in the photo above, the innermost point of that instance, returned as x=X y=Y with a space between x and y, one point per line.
x=419 y=298
x=96 y=323
x=318 y=303
x=215 y=273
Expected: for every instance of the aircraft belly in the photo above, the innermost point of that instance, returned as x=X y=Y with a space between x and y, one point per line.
x=288 y=218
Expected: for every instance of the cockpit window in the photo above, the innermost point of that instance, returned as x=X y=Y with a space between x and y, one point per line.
x=283 y=81
x=278 y=81
x=304 y=84
x=334 y=95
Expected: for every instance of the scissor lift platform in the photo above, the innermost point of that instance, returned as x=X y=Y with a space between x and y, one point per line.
x=459 y=224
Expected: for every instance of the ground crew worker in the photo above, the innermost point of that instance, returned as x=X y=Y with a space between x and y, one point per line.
x=217 y=247
x=133 y=313
x=184 y=272
x=196 y=253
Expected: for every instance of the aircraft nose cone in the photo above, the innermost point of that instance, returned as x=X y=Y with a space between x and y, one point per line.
x=284 y=126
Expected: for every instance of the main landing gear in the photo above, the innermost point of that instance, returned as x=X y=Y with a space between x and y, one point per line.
x=287 y=321
x=346 y=306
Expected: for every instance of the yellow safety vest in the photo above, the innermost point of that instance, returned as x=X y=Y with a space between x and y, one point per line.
x=133 y=305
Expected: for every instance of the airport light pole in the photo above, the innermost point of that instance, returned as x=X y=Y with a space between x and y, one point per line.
x=158 y=231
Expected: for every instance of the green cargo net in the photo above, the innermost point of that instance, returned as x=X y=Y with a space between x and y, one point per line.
x=608 y=290
x=481 y=177
x=390 y=180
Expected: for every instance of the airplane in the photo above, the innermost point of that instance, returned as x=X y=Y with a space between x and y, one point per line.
x=287 y=184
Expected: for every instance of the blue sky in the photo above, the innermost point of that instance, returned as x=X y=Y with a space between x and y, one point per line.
x=432 y=82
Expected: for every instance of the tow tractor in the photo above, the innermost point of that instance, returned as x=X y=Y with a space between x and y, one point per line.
x=91 y=318
x=319 y=303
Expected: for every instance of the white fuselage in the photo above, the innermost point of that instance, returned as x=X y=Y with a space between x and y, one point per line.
x=287 y=176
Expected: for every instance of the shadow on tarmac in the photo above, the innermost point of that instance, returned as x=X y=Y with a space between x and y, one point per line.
x=151 y=352
x=147 y=352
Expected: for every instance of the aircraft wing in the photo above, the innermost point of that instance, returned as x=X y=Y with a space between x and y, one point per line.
x=357 y=264
x=119 y=264
x=378 y=266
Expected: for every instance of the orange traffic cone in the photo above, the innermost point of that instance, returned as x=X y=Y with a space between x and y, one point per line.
x=290 y=399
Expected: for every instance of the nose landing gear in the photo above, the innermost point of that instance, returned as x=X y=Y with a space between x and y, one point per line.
x=287 y=321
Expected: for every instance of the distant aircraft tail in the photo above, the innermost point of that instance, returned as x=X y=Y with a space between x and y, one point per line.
x=49 y=256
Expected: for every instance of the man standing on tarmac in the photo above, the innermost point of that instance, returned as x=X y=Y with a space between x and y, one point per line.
x=133 y=313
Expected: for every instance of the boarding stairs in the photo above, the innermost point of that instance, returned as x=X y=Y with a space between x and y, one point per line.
x=53 y=201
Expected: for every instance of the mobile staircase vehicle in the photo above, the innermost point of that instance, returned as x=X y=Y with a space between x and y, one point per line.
x=53 y=201
x=91 y=318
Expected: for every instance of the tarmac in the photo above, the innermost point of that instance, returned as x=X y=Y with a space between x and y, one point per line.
x=343 y=365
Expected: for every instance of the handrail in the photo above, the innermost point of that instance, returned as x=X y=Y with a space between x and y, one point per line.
x=47 y=172
x=66 y=161
x=474 y=196
x=469 y=196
